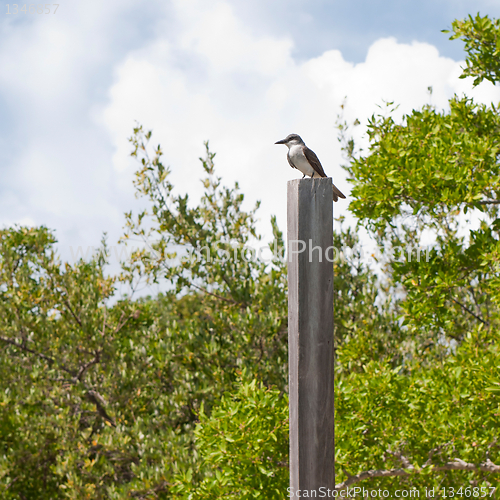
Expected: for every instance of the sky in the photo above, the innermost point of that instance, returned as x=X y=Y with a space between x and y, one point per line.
x=239 y=73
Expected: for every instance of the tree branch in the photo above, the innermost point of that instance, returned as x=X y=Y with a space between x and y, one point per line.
x=68 y=305
x=27 y=349
x=39 y=354
x=488 y=202
x=457 y=464
x=86 y=366
x=76 y=376
x=231 y=301
x=465 y=308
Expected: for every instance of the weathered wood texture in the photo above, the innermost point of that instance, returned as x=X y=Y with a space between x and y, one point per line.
x=310 y=334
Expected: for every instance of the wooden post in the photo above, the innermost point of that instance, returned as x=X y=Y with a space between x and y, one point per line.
x=310 y=335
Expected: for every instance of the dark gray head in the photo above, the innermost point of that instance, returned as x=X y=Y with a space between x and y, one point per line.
x=290 y=140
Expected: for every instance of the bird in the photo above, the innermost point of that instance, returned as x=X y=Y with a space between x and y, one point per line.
x=302 y=158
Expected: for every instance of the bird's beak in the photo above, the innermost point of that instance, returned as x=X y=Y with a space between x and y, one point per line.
x=281 y=142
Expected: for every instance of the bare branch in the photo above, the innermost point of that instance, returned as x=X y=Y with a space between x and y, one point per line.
x=86 y=366
x=435 y=450
x=70 y=309
x=465 y=308
x=457 y=464
x=231 y=301
x=488 y=202
x=121 y=322
x=39 y=354
x=404 y=461
x=27 y=349
x=371 y=474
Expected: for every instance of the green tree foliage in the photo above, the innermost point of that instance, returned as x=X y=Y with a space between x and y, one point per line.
x=243 y=447
x=427 y=178
x=419 y=181
x=365 y=325
x=431 y=421
x=482 y=44
x=433 y=178
x=84 y=412
x=203 y=252
x=415 y=424
x=100 y=398
x=183 y=395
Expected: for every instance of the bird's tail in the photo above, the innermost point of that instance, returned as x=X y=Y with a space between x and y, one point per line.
x=337 y=193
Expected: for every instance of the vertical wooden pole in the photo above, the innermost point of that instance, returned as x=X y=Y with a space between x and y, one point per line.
x=310 y=334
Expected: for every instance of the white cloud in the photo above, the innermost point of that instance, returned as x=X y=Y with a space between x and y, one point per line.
x=55 y=159
x=249 y=93
x=225 y=42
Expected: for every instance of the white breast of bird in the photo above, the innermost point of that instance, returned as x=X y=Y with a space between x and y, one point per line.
x=300 y=161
